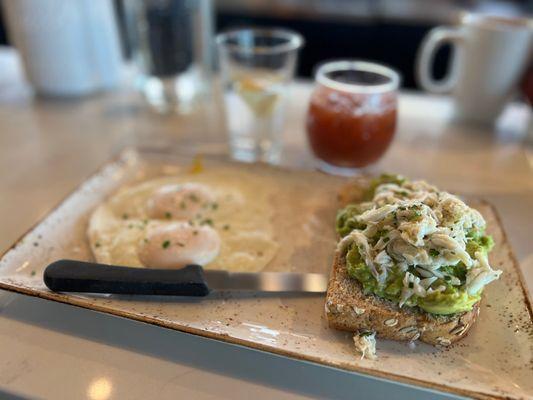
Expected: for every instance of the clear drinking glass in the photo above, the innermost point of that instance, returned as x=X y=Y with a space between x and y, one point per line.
x=257 y=66
x=352 y=114
x=171 y=44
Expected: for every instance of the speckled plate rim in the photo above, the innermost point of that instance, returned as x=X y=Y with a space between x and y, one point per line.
x=119 y=157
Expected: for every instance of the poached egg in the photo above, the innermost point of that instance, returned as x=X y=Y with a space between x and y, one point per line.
x=178 y=244
x=219 y=218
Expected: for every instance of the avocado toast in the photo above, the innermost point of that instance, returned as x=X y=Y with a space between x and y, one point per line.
x=411 y=262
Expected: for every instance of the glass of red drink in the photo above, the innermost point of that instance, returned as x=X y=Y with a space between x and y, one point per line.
x=352 y=114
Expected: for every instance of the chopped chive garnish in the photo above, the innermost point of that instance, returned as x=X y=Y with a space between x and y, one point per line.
x=125 y=216
x=168 y=215
x=165 y=244
x=381 y=233
x=433 y=252
x=414 y=216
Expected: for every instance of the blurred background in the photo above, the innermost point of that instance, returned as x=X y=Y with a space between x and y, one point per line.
x=386 y=31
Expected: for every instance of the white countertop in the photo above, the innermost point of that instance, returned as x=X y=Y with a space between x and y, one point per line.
x=47 y=147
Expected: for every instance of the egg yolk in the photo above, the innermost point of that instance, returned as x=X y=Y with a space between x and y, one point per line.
x=178 y=244
x=181 y=202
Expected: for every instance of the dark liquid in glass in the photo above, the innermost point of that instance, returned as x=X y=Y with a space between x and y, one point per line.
x=348 y=129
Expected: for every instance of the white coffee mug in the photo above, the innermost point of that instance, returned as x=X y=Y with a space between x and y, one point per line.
x=68 y=48
x=489 y=56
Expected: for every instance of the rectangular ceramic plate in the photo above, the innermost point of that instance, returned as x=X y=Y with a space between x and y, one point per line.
x=493 y=361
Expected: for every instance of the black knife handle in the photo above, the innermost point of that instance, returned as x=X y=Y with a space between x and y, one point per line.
x=80 y=276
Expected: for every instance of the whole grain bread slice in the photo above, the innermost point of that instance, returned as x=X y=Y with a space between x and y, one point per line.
x=349 y=308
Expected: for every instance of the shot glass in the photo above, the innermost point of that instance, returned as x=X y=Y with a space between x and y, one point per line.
x=256 y=66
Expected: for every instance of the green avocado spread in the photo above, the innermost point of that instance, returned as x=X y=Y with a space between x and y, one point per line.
x=451 y=297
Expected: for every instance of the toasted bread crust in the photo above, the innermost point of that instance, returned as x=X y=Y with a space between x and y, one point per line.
x=348 y=308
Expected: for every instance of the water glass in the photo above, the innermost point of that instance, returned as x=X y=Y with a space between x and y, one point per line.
x=171 y=43
x=256 y=66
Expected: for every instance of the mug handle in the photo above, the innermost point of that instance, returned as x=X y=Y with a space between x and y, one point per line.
x=426 y=56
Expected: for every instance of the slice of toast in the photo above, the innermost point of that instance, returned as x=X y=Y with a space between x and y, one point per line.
x=349 y=308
